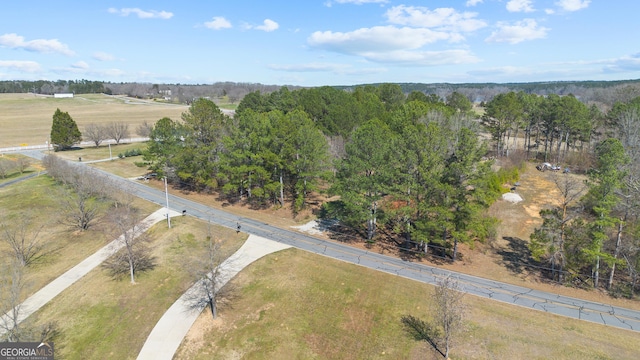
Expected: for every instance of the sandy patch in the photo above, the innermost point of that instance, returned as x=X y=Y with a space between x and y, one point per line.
x=314 y=227
x=311 y=227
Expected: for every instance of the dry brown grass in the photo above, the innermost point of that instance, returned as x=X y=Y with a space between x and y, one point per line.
x=99 y=317
x=26 y=118
x=297 y=305
x=63 y=246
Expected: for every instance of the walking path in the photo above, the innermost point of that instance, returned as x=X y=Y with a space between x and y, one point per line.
x=166 y=336
x=51 y=290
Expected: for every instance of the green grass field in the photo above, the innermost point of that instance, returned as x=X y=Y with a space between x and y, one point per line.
x=26 y=118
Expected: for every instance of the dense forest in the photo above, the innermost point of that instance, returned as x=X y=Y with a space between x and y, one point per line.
x=602 y=93
x=412 y=170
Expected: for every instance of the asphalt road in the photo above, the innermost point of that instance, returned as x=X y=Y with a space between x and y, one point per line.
x=511 y=294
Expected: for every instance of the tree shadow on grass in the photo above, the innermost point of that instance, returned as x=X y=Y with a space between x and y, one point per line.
x=517 y=256
x=422 y=331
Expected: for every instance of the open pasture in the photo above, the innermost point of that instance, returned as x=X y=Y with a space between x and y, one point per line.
x=25 y=119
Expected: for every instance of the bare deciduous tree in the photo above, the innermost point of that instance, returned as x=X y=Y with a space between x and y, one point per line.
x=6 y=167
x=144 y=129
x=571 y=189
x=448 y=310
x=95 y=133
x=118 y=131
x=135 y=255
x=23 y=242
x=210 y=288
x=11 y=287
x=80 y=200
x=22 y=163
x=11 y=312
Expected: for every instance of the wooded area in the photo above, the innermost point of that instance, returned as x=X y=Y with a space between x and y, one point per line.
x=412 y=169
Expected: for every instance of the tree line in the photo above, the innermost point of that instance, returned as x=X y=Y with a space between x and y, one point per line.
x=411 y=168
x=180 y=93
x=411 y=165
x=603 y=93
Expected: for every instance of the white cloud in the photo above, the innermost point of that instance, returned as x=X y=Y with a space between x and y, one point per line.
x=268 y=25
x=389 y=44
x=447 y=19
x=80 y=65
x=102 y=56
x=310 y=67
x=624 y=64
x=423 y=58
x=341 y=69
x=218 y=23
x=573 y=5
x=15 y=41
x=25 y=66
x=517 y=32
x=376 y=39
x=142 y=14
x=473 y=2
x=520 y=6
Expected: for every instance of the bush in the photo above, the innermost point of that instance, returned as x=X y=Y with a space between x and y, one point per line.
x=130 y=153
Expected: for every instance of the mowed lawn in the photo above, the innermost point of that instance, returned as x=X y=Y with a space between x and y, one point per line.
x=62 y=246
x=297 y=305
x=25 y=119
x=100 y=317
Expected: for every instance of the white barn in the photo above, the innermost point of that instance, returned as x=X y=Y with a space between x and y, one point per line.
x=63 y=95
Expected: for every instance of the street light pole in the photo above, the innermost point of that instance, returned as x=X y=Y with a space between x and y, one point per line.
x=166 y=192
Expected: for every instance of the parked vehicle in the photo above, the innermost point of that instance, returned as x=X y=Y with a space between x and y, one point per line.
x=547 y=166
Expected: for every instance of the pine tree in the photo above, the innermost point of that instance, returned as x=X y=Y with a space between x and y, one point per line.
x=64 y=131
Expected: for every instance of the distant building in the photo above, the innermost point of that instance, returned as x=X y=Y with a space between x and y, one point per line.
x=63 y=95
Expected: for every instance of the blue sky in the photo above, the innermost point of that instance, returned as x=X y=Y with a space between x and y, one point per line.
x=323 y=42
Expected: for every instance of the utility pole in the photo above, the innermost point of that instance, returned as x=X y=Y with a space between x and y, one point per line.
x=166 y=192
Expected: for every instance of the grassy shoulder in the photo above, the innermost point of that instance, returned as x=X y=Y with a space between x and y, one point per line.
x=99 y=317
x=296 y=305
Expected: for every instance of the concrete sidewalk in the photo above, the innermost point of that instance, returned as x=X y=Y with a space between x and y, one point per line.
x=51 y=290
x=166 y=336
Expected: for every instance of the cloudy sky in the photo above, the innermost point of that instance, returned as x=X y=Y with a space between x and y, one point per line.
x=320 y=42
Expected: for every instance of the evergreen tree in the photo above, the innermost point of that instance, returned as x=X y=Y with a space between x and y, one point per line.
x=602 y=198
x=204 y=126
x=364 y=175
x=64 y=131
x=164 y=144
